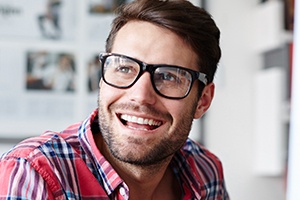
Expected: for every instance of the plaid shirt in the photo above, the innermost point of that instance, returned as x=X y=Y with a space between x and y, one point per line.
x=68 y=165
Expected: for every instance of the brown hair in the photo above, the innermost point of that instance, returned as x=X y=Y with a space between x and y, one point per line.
x=193 y=24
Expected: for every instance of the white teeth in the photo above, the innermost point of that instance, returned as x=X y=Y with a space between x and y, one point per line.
x=140 y=120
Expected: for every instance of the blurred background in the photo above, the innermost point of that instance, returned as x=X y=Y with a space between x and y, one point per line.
x=49 y=77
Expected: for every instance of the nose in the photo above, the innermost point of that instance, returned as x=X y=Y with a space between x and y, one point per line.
x=142 y=91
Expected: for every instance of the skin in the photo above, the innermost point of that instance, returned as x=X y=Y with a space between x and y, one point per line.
x=141 y=153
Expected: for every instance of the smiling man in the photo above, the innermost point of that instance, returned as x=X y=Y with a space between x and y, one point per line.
x=157 y=73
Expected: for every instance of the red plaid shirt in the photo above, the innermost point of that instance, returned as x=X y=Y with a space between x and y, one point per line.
x=68 y=165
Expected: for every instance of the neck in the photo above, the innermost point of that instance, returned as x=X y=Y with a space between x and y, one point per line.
x=150 y=182
x=143 y=182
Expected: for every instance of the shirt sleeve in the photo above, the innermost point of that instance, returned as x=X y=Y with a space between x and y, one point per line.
x=19 y=180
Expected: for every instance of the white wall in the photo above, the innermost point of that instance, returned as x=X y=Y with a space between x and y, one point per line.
x=230 y=121
x=4 y=146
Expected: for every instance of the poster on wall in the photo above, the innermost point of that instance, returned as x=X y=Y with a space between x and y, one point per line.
x=93 y=73
x=289 y=12
x=105 y=6
x=99 y=18
x=91 y=84
x=50 y=71
x=37 y=87
x=42 y=19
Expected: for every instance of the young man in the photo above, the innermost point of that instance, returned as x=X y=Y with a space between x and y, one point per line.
x=156 y=78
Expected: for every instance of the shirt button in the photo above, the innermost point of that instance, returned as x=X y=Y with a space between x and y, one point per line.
x=122 y=191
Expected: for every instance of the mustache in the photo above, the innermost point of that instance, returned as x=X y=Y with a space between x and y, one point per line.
x=146 y=109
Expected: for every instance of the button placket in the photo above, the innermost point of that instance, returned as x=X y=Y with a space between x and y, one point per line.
x=123 y=191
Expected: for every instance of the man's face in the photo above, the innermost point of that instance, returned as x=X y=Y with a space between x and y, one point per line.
x=139 y=126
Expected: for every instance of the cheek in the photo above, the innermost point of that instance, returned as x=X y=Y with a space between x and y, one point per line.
x=182 y=120
x=184 y=110
x=176 y=110
x=108 y=92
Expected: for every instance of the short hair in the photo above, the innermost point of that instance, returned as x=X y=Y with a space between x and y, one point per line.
x=191 y=23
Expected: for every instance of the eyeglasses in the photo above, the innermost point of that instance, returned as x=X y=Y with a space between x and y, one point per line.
x=169 y=81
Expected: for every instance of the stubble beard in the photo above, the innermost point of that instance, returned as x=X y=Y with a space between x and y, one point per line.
x=150 y=155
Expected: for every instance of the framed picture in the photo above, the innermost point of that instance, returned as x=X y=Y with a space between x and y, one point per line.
x=93 y=74
x=50 y=71
x=38 y=90
x=289 y=9
x=43 y=19
x=105 y=6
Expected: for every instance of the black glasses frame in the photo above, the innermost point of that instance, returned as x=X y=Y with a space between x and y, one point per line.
x=151 y=69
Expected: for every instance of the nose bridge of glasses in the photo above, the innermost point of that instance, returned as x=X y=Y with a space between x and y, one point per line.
x=143 y=83
x=144 y=67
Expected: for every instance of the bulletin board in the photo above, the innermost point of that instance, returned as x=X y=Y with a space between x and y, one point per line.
x=49 y=70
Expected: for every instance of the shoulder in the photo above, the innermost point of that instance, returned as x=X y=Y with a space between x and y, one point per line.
x=198 y=151
x=31 y=147
x=200 y=170
x=39 y=157
x=27 y=146
x=201 y=160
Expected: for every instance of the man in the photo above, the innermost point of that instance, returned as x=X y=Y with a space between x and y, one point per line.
x=156 y=77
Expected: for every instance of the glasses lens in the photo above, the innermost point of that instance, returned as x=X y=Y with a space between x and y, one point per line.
x=120 y=71
x=172 y=81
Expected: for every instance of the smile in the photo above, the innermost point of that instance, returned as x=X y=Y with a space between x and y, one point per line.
x=140 y=120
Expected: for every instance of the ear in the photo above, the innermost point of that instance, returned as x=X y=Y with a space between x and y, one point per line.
x=205 y=100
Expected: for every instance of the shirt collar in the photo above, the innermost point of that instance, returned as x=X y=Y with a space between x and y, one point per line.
x=107 y=176
x=187 y=176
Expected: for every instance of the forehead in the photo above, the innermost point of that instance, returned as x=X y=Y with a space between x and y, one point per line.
x=154 y=45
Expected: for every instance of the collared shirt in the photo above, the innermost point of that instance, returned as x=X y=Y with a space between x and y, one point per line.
x=68 y=165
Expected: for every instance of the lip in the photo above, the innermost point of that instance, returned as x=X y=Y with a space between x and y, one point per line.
x=140 y=120
x=139 y=123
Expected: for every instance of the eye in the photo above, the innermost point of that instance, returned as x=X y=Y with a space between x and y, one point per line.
x=169 y=77
x=124 y=69
x=166 y=76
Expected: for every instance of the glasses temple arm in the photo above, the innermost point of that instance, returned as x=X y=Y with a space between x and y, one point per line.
x=203 y=78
